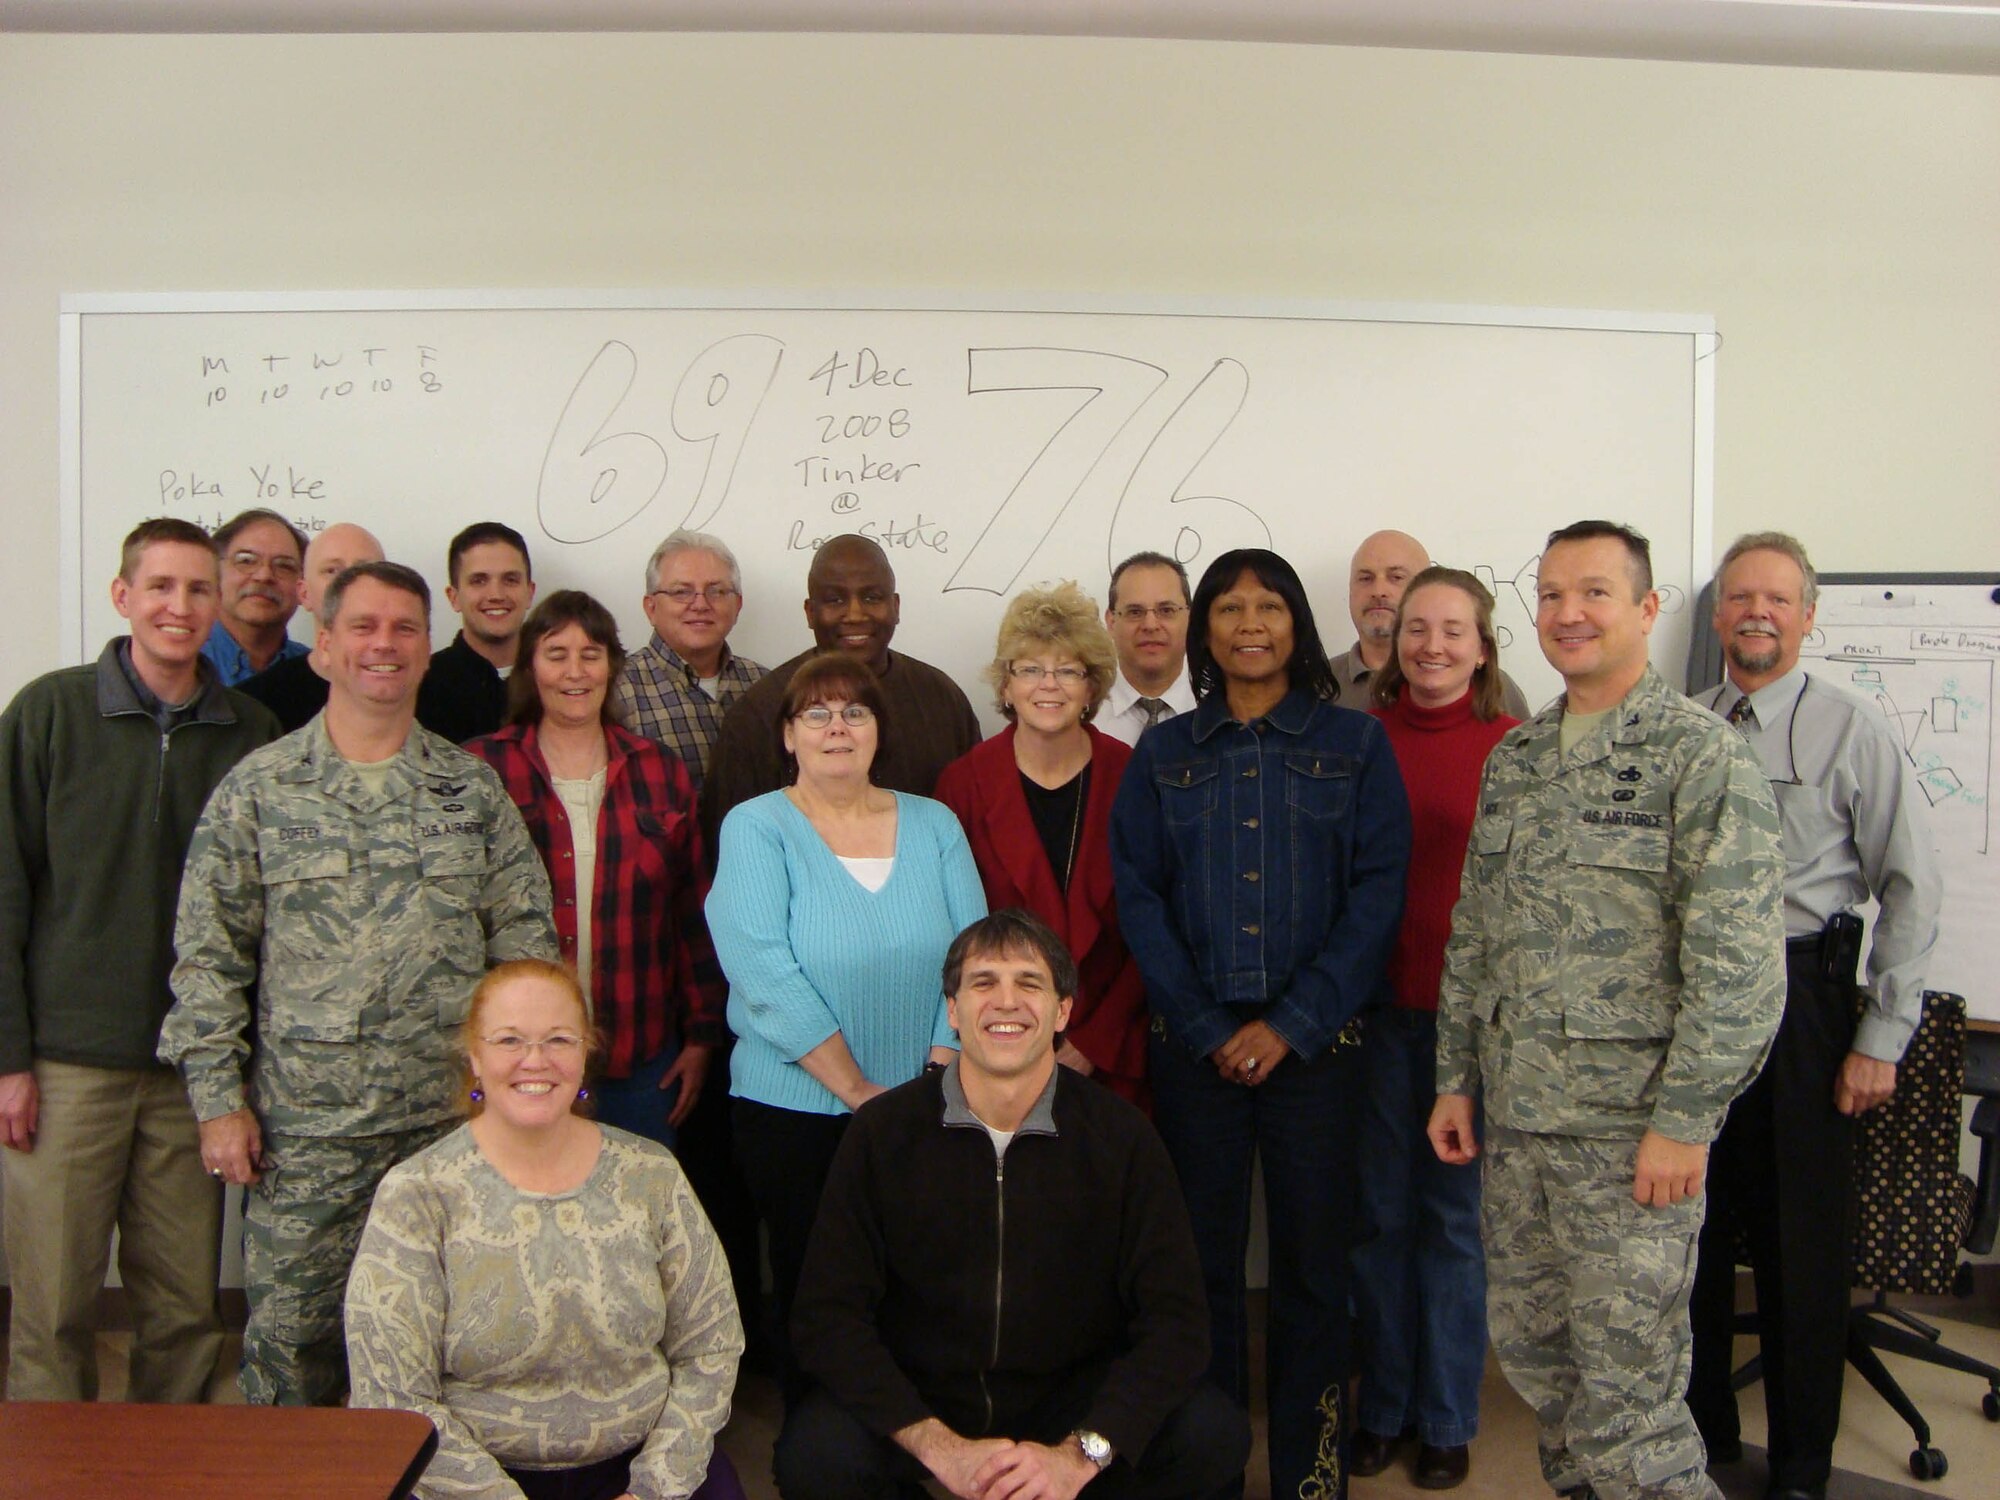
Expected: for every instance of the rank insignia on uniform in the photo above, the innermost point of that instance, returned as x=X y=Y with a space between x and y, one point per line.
x=1630 y=773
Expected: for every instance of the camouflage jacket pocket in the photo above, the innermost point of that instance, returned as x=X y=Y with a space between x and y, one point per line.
x=310 y=1002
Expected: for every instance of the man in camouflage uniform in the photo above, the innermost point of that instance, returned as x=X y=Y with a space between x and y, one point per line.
x=345 y=889
x=1613 y=980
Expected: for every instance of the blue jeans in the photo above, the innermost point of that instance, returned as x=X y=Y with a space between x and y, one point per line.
x=1420 y=1276
x=1302 y=1122
x=638 y=1103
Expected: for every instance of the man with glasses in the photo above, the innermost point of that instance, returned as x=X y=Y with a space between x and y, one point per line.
x=676 y=687
x=346 y=888
x=1148 y=620
x=263 y=559
x=1782 y=1178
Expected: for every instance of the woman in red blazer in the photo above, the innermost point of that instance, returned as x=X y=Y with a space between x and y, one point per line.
x=1035 y=802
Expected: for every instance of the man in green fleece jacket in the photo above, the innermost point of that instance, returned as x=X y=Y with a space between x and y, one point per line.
x=104 y=770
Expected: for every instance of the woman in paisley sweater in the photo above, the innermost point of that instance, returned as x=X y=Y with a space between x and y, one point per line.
x=545 y=1289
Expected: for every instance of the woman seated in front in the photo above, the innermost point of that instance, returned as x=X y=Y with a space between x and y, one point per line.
x=546 y=1290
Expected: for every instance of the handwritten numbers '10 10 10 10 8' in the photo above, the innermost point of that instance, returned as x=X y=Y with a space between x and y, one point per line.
x=594 y=480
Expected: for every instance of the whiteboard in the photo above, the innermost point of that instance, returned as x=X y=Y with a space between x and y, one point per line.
x=1927 y=651
x=986 y=446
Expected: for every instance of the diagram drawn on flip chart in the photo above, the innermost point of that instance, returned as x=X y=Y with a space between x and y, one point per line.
x=1926 y=651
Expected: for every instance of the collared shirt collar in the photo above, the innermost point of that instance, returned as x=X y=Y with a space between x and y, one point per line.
x=232 y=663
x=319 y=760
x=1291 y=715
x=1770 y=703
x=681 y=664
x=1040 y=1119
x=1123 y=695
x=118 y=690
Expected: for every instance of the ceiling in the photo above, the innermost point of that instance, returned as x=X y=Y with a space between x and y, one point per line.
x=1946 y=36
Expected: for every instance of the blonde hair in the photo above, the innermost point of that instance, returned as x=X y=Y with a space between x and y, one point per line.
x=1060 y=619
x=562 y=976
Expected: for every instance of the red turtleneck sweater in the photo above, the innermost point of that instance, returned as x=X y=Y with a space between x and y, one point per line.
x=1441 y=752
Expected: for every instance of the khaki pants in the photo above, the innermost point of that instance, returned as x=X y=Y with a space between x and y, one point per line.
x=114 y=1147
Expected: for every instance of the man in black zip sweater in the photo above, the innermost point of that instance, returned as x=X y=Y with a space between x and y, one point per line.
x=1002 y=1292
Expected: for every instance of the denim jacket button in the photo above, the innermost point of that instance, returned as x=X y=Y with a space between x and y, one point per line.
x=1250 y=774
x=1253 y=929
x=1249 y=822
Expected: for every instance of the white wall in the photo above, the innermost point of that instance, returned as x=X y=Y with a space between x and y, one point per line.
x=1843 y=228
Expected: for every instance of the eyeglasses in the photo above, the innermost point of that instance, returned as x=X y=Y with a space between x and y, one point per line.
x=557 y=1047
x=249 y=562
x=819 y=715
x=1028 y=671
x=1135 y=614
x=681 y=595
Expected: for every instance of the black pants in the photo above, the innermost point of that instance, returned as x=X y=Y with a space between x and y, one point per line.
x=784 y=1155
x=707 y=1154
x=1782 y=1175
x=825 y=1453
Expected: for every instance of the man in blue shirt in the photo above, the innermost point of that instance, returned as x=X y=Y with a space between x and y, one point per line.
x=263 y=559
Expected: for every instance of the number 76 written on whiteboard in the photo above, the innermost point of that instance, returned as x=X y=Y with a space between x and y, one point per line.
x=1116 y=388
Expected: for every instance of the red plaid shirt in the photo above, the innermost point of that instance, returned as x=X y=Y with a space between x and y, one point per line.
x=652 y=968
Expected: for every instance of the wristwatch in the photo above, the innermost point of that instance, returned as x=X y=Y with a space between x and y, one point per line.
x=1096 y=1447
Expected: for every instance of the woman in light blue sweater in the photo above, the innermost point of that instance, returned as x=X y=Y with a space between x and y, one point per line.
x=833 y=904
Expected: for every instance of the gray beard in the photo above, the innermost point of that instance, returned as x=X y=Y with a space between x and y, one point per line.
x=1740 y=655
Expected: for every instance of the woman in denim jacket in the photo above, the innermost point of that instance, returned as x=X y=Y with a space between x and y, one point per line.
x=1259 y=846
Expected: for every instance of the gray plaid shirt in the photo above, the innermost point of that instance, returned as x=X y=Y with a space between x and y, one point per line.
x=659 y=697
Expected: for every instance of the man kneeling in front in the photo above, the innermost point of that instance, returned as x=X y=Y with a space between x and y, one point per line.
x=1001 y=1292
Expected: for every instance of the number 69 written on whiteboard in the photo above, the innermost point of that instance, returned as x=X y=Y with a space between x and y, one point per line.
x=594 y=481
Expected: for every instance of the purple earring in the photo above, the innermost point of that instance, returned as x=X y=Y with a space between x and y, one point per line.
x=478 y=1094
x=583 y=1093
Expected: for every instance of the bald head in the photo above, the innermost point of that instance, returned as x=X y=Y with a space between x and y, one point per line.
x=340 y=546
x=1383 y=565
x=851 y=601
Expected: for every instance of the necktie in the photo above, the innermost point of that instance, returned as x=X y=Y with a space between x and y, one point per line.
x=1740 y=714
x=1155 y=709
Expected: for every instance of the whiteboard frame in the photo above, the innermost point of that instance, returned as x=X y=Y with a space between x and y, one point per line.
x=72 y=583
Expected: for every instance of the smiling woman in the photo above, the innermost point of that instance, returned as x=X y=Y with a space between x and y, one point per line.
x=614 y=819
x=833 y=906
x=546 y=1374
x=1420 y=1280
x=1035 y=803
x=1259 y=846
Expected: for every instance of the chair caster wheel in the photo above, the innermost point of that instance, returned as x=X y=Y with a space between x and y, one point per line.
x=1990 y=1405
x=1928 y=1463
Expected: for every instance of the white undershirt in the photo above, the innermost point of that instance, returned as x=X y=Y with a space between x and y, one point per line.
x=872 y=873
x=582 y=797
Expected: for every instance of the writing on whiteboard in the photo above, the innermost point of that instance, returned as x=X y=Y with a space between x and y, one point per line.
x=332 y=375
x=268 y=484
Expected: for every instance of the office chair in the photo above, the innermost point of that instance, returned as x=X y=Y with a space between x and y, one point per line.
x=1914 y=1210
